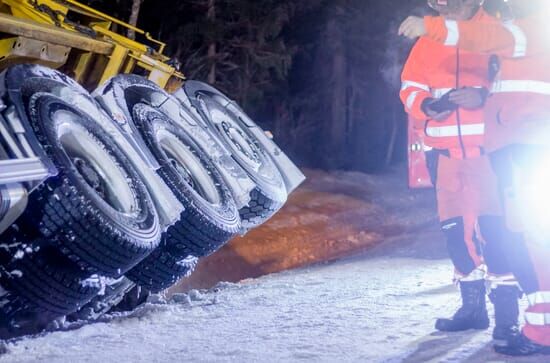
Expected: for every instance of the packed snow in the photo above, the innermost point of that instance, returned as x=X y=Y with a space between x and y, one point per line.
x=377 y=307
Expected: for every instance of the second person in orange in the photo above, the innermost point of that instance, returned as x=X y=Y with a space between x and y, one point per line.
x=444 y=88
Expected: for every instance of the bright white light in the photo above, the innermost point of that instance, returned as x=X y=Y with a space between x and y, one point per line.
x=534 y=200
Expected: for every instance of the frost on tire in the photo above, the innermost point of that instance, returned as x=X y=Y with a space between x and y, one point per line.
x=210 y=218
x=97 y=208
x=270 y=193
x=163 y=268
x=113 y=293
x=41 y=286
x=187 y=163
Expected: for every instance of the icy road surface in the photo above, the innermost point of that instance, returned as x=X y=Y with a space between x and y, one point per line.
x=378 y=307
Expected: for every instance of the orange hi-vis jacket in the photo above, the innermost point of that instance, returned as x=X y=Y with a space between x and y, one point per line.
x=518 y=110
x=434 y=69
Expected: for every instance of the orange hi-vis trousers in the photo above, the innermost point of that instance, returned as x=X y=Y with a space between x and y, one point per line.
x=468 y=205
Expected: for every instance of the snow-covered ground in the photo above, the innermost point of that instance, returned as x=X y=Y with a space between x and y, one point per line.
x=377 y=307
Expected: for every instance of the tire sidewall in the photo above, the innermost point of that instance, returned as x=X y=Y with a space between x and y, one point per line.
x=145 y=224
x=268 y=179
x=225 y=214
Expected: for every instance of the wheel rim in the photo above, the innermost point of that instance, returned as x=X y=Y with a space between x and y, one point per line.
x=243 y=143
x=95 y=165
x=189 y=166
x=238 y=140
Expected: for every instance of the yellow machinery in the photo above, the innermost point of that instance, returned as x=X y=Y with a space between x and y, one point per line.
x=79 y=41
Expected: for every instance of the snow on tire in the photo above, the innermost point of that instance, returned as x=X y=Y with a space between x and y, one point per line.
x=163 y=268
x=188 y=164
x=41 y=286
x=96 y=209
x=114 y=292
x=210 y=218
x=270 y=193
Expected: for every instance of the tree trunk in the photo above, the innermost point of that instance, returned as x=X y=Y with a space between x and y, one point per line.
x=212 y=49
x=393 y=138
x=336 y=130
x=136 y=6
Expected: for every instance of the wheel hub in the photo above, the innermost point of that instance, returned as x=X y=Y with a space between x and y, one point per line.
x=243 y=143
x=189 y=166
x=184 y=173
x=90 y=175
x=94 y=163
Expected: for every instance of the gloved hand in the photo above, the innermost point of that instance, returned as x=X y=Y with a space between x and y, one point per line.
x=412 y=27
x=432 y=108
x=469 y=98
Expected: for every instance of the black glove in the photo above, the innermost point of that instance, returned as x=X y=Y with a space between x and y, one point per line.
x=438 y=105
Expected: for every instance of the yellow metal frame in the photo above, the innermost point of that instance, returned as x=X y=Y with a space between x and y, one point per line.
x=92 y=59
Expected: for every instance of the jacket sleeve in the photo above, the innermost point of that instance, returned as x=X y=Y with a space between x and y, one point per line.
x=511 y=39
x=414 y=83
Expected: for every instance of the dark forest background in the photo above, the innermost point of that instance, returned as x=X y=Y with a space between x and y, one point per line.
x=322 y=75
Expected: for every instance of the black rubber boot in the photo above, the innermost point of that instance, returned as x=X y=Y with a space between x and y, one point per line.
x=520 y=345
x=473 y=312
x=505 y=300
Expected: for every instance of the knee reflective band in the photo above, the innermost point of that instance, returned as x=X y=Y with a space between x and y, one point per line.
x=537 y=319
x=539 y=297
x=538 y=313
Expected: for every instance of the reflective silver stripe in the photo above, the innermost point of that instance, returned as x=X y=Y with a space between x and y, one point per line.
x=439 y=92
x=539 y=297
x=478 y=274
x=448 y=131
x=539 y=319
x=522 y=86
x=520 y=47
x=501 y=280
x=411 y=99
x=408 y=84
x=452 y=32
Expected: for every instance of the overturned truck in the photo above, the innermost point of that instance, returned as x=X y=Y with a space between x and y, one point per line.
x=111 y=181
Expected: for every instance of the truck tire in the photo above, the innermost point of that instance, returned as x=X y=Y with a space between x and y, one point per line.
x=41 y=287
x=270 y=193
x=120 y=94
x=97 y=209
x=162 y=269
x=210 y=218
x=101 y=304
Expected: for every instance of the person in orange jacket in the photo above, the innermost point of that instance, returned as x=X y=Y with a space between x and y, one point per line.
x=518 y=140
x=444 y=89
